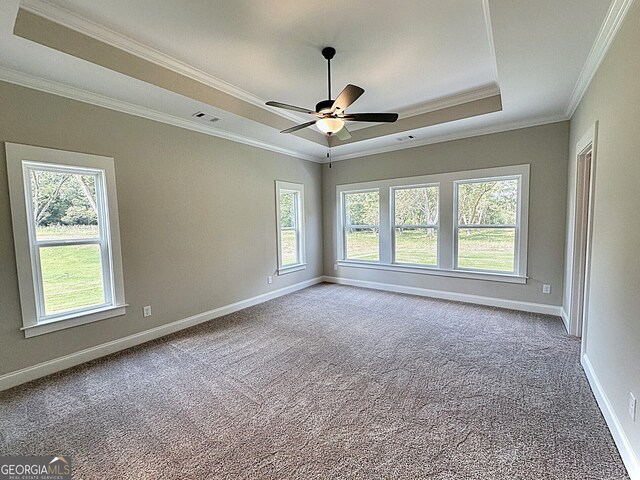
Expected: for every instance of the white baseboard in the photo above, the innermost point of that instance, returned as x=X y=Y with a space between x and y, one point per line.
x=454 y=296
x=629 y=457
x=24 y=375
x=565 y=319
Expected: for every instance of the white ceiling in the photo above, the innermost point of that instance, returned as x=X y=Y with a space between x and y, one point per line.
x=409 y=57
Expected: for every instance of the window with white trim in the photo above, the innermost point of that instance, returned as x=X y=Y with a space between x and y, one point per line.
x=290 y=226
x=66 y=236
x=470 y=224
x=486 y=229
x=361 y=225
x=415 y=230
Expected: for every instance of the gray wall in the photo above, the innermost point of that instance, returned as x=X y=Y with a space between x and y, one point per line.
x=197 y=218
x=543 y=147
x=613 y=324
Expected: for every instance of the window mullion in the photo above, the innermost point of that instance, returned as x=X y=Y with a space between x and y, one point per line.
x=447 y=225
x=385 y=229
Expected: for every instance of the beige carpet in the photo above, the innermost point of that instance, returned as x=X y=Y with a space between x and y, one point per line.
x=330 y=382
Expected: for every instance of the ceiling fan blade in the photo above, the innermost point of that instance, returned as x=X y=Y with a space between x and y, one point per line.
x=290 y=107
x=349 y=95
x=343 y=134
x=371 y=117
x=299 y=127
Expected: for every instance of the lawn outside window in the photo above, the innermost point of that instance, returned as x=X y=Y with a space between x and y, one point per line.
x=361 y=225
x=290 y=227
x=470 y=224
x=415 y=232
x=486 y=227
x=67 y=241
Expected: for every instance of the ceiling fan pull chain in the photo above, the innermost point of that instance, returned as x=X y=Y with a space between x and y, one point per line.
x=329 y=156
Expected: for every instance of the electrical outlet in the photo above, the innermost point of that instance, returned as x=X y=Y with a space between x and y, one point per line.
x=335 y=267
x=632 y=407
x=546 y=288
x=146 y=311
x=269 y=279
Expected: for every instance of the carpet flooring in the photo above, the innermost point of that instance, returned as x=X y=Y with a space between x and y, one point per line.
x=330 y=382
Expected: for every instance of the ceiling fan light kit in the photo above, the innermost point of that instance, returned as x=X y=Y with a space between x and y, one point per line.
x=331 y=113
x=330 y=125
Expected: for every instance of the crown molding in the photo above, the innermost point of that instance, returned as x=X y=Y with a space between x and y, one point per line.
x=94 y=30
x=73 y=93
x=49 y=86
x=476 y=132
x=492 y=46
x=451 y=101
x=614 y=19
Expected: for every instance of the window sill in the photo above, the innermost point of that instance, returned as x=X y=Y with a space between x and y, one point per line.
x=493 y=277
x=73 y=321
x=292 y=268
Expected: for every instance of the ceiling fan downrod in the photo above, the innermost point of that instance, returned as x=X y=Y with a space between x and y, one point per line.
x=328 y=53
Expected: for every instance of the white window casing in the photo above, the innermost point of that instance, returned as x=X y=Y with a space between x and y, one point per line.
x=447 y=224
x=345 y=224
x=21 y=161
x=297 y=227
x=435 y=226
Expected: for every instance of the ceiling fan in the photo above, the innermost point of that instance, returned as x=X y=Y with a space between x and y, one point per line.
x=331 y=113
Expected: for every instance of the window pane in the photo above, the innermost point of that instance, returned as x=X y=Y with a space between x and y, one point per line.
x=71 y=277
x=64 y=205
x=287 y=209
x=362 y=208
x=416 y=206
x=289 y=245
x=417 y=245
x=488 y=203
x=487 y=249
x=361 y=244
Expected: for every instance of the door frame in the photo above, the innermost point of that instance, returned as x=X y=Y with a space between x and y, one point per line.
x=582 y=234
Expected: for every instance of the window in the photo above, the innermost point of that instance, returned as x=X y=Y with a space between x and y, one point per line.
x=66 y=236
x=290 y=226
x=486 y=227
x=361 y=225
x=416 y=225
x=470 y=224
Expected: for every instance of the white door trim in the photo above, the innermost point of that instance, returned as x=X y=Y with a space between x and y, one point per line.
x=586 y=150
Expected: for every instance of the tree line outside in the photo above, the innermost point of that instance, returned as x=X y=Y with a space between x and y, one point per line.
x=63 y=199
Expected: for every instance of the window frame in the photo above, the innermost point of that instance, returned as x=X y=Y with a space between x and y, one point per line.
x=394 y=225
x=342 y=245
x=21 y=160
x=446 y=220
x=517 y=258
x=298 y=190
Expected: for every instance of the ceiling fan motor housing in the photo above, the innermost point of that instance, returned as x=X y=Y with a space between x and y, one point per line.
x=324 y=105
